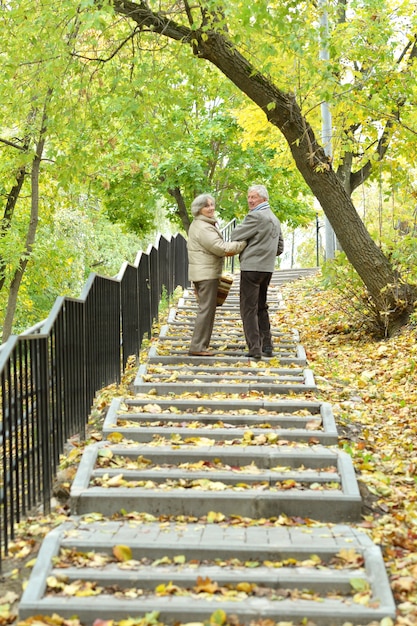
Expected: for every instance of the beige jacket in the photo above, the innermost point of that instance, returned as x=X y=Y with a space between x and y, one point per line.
x=207 y=248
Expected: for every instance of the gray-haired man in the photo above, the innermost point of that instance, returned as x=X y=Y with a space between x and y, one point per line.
x=262 y=231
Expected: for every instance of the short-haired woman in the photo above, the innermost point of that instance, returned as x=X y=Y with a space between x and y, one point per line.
x=206 y=251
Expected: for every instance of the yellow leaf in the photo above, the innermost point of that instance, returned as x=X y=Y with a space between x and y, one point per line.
x=212 y=517
x=142 y=462
x=105 y=453
x=152 y=408
x=206 y=585
x=73 y=454
x=122 y=553
x=349 y=555
x=179 y=559
x=87 y=592
x=115 y=437
x=362 y=598
x=245 y=587
x=360 y=585
x=71 y=589
x=15 y=574
x=9 y=598
x=53 y=582
x=166 y=589
x=218 y=618
x=272 y=437
x=165 y=560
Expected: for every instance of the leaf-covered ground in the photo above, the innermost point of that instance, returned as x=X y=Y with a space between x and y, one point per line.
x=372 y=388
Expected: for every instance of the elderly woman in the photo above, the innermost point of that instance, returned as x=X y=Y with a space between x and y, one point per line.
x=206 y=250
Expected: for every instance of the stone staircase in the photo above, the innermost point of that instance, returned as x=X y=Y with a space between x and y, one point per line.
x=218 y=490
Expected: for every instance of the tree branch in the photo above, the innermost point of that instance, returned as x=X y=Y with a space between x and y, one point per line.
x=358 y=177
x=113 y=54
x=13 y=145
x=140 y=13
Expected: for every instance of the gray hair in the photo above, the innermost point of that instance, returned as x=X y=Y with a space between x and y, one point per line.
x=200 y=202
x=261 y=190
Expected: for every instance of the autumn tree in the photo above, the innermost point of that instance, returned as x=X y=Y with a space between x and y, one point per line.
x=86 y=111
x=201 y=152
x=48 y=140
x=131 y=116
x=218 y=33
x=175 y=135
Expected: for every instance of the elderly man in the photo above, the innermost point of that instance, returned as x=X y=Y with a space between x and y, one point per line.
x=262 y=231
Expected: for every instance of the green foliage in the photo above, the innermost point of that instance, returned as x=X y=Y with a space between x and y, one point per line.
x=390 y=216
x=68 y=248
x=130 y=118
x=403 y=255
x=305 y=247
x=123 y=202
x=195 y=147
x=356 y=304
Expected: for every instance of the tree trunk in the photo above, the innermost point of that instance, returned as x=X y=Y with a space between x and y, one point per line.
x=31 y=232
x=182 y=209
x=6 y=222
x=30 y=239
x=283 y=112
x=391 y=296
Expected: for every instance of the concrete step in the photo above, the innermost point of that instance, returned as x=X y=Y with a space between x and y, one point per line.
x=263 y=469
x=231 y=330
x=223 y=314
x=288 y=420
x=227 y=338
x=228 y=341
x=212 y=375
x=193 y=476
x=188 y=304
x=172 y=350
x=184 y=572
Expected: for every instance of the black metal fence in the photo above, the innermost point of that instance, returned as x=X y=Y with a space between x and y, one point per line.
x=229 y=261
x=50 y=374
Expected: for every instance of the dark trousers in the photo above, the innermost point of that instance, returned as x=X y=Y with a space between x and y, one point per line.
x=206 y=293
x=254 y=310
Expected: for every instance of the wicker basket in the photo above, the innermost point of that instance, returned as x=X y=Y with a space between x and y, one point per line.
x=225 y=283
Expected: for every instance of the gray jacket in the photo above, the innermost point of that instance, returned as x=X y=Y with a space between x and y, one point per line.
x=262 y=231
x=207 y=248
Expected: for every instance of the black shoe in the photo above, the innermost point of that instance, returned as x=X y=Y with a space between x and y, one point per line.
x=267 y=352
x=255 y=357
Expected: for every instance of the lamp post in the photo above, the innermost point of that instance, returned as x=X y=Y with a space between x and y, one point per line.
x=330 y=238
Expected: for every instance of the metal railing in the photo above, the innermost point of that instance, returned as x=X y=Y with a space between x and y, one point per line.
x=50 y=374
x=229 y=261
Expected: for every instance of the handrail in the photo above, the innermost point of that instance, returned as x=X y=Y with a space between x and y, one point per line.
x=50 y=373
x=229 y=261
